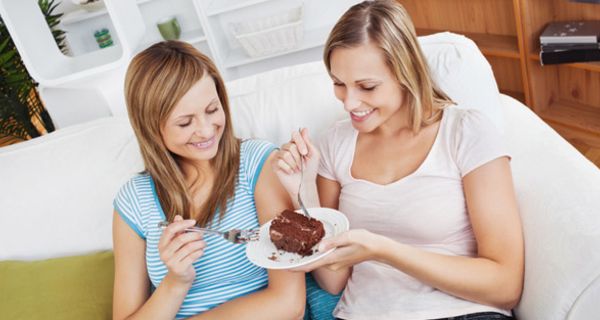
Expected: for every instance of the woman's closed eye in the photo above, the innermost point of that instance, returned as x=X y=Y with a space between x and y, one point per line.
x=213 y=110
x=185 y=124
x=363 y=88
x=368 y=88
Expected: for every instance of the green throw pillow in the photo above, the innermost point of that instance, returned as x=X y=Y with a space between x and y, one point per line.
x=78 y=287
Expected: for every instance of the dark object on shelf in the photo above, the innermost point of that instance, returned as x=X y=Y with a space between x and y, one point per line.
x=569 y=46
x=587 y=1
x=569 y=56
x=571 y=32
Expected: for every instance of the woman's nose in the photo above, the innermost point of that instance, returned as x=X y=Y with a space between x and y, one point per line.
x=203 y=129
x=351 y=101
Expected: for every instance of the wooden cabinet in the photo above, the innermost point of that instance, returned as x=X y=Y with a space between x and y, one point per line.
x=492 y=24
x=567 y=96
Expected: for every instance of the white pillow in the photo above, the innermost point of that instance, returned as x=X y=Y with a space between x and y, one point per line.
x=461 y=70
x=57 y=190
x=273 y=104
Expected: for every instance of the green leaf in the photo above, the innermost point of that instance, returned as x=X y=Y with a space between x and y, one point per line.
x=4 y=43
x=5 y=57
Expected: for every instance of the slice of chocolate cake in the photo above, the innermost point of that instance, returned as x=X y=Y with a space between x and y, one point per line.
x=293 y=232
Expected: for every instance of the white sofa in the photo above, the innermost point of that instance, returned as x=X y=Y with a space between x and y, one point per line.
x=56 y=191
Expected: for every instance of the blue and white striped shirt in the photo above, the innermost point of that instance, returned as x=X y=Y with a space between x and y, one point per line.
x=223 y=272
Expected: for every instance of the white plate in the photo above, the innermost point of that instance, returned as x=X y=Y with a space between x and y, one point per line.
x=263 y=252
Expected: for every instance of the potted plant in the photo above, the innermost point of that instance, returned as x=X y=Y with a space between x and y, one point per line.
x=22 y=112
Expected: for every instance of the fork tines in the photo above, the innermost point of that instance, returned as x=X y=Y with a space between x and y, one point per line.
x=250 y=235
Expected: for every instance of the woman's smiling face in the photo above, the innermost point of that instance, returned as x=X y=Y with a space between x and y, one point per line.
x=364 y=83
x=195 y=126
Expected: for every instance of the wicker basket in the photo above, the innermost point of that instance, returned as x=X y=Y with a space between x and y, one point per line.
x=272 y=34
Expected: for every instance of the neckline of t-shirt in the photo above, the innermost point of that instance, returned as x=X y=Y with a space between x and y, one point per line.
x=408 y=176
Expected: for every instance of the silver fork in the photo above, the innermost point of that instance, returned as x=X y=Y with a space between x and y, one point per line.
x=236 y=236
x=300 y=187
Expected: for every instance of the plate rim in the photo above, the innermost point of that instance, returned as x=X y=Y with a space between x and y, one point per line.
x=308 y=261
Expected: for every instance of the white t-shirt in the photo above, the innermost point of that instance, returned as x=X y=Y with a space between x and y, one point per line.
x=425 y=209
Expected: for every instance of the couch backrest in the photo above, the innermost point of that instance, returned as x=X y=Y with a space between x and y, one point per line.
x=273 y=104
x=60 y=187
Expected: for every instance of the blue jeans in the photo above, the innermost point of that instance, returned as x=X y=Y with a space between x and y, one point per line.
x=475 y=316
x=479 y=316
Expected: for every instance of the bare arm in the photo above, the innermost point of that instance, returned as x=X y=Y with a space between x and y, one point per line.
x=332 y=281
x=284 y=298
x=131 y=297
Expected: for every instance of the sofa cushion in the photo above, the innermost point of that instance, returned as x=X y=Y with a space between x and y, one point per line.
x=273 y=104
x=76 y=287
x=462 y=71
x=57 y=190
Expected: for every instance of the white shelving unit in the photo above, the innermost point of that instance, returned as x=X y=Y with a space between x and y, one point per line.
x=312 y=38
x=49 y=66
x=206 y=24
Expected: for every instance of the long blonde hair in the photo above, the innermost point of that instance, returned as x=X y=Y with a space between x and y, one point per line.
x=386 y=24
x=156 y=80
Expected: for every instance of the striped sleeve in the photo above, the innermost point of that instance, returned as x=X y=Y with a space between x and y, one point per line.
x=127 y=206
x=254 y=154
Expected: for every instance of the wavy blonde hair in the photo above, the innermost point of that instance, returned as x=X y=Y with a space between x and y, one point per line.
x=386 y=24
x=156 y=80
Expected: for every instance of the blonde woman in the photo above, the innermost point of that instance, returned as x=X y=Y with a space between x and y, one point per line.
x=196 y=173
x=426 y=186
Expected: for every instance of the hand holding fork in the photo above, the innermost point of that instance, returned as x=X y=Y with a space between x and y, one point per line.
x=296 y=167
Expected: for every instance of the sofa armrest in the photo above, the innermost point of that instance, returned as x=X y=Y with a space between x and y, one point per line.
x=558 y=191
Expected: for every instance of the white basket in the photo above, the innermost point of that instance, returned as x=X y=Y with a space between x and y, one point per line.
x=272 y=34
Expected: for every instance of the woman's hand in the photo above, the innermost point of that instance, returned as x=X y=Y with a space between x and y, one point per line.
x=287 y=162
x=179 y=249
x=352 y=247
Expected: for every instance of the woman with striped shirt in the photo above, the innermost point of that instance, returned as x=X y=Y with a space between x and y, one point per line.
x=196 y=173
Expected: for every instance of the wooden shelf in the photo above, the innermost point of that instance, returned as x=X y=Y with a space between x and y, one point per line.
x=515 y=94
x=490 y=44
x=574 y=115
x=591 y=66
